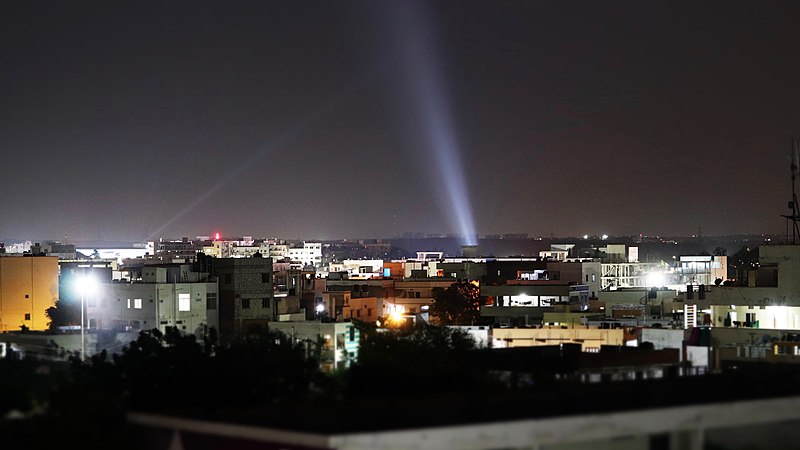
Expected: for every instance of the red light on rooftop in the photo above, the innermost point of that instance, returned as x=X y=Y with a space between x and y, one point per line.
x=216 y=236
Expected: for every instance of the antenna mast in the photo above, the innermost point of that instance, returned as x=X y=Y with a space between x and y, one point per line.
x=795 y=217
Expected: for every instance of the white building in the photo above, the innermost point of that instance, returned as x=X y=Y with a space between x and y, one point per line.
x=164 y=297
x=310 y=254
x=770 y=299
x=359 y=268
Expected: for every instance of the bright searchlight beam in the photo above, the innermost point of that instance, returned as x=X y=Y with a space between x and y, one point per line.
x=423 y=72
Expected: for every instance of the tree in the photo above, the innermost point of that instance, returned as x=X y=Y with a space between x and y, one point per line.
x=746 y=257
x=742 y=261
x=459 y=304
x=427 y=358
x=64 y=312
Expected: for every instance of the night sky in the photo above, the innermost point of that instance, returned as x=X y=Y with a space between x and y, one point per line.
x=335 y=119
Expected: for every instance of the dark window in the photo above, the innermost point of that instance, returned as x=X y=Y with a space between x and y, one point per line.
x=265 y=278
x=211 y=300
x=27 y=316
x=352 y=334
x=265 y=303
x=27 y=296
x=245 y=303
x=228 y=278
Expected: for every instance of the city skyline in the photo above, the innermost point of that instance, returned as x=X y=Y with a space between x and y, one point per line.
x=371 y=119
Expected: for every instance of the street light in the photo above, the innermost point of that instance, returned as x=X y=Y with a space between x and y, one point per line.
x=86 y=285
x=320 y=308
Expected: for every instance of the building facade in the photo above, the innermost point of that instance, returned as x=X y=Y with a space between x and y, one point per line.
x=28 y=286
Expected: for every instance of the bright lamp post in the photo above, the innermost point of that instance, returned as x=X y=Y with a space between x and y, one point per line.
x=320 y=308
x=86 y=284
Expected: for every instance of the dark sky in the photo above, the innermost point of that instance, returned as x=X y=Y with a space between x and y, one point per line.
x=310 y=119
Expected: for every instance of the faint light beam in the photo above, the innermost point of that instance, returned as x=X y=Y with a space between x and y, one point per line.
x=324 y=108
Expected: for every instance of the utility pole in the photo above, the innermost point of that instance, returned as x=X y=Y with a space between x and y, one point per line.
x=795 y=216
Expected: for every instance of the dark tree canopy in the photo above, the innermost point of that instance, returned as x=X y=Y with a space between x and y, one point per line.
x=459 y=304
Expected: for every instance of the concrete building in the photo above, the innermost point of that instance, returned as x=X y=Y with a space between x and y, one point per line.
x=54 y=248
x=28 y=286
x=165 y=296
x=359 y=268
x=414 y=295
x=295 y=289
x=177 y=250
x=642 y=303
x=590 y=339
x=704 y=269
x=631 y=274
x=366 y=309
x=770 y=299
x=245 y=291
x=524 y=299
x=310 y=254
x=336 y=342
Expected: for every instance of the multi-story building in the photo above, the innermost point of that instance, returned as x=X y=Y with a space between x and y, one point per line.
x=165 y=296
x=181 y=250
x=702 y=269
x=366 y=309
x=245 y=291
x=295 y=289
x=771 y=298
x=359 y=268
x=278 y=250
x=53 y=248
x=310 y=254
x=28 y=286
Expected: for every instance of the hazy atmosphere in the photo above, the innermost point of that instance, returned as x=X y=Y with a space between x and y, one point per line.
x=134 y=120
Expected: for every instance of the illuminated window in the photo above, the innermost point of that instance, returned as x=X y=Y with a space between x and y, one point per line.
x=129 y=303
x=184 y=302
x=137 y=303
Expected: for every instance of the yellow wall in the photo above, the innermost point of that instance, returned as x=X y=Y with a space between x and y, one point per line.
x=36 y=277
x=588 y=337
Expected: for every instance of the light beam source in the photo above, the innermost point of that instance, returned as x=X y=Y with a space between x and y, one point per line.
x=423 y=70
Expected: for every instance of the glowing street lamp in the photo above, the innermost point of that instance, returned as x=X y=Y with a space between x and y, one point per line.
x=86 y=285
x=320 y=308
x=396 y=314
